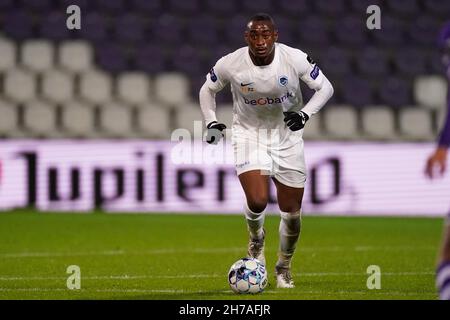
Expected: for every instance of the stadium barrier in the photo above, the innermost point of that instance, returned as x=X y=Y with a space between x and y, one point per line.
x=162 y=176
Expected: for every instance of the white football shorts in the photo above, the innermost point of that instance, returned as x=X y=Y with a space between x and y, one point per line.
x=285 y=164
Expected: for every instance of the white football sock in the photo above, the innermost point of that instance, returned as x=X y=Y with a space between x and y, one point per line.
x=290 y=226
x=255 y=222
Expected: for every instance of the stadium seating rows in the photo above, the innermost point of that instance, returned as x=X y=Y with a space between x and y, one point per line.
x=116 y=82
x=56 y=91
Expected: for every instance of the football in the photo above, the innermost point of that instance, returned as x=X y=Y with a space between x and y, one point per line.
x=247 y=275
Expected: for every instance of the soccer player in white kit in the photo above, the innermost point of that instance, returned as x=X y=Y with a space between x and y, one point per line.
x=268 y=121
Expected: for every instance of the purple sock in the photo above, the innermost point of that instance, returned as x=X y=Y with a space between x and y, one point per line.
x=443 y=280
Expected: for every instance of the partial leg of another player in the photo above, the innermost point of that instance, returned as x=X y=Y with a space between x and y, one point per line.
x=289 y=201
x=443 y=270
x=256 y=189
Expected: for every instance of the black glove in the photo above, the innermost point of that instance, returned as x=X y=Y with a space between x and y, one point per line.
x=214 y=132
x=295 y=120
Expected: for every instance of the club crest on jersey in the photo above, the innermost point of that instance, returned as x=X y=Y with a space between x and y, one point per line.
x=212 y=75
x=283 y=81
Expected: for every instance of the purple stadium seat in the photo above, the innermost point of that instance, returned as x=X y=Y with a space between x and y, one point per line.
x=39 y=5
x=391 y=33
x=293 y=8
x=424 y=30
x=222 y=97
x=372 y=62
x=153 y=7
x=184 y=7
x=404 y=8
x=351 y=31
x=198 y=80
x=434 y=62
x=216 y=53
x=251 y=7
x=438 y=7
x=149 y=58
x=203 y=30
x=6 y=4
x=330 y=8
x=94 y=27
x=313 y=30
x=105 y=6
x=234 y=31
x=395 y=92
x=186 y=59
x=197 y=83
x=444 y=35
x=83 y=4
x=221 y=7
x=360 y=6
x=50 y=26
x=286 y=32
x=167 y=29
x=357 y=91
x=18 y=24
x=410 y=61
x=307 y=93
x=336 y=61
x=111 y=57
x=129 y=28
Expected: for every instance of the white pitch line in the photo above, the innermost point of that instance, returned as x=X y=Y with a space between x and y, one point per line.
x=60 y=254
x=203 y=250
x=113 y=253
x=170 y=291
x=394 y=248
x=118 y=277
x=134 y=277
x=320 y=274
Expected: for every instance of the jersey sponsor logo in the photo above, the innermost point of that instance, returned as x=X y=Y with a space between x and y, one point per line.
x=267 y=100
x=315 y=72
x=245 y=87
x=283 y=80
x=212 y=75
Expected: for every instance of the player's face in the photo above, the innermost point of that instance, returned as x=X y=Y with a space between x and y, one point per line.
x=261 y=37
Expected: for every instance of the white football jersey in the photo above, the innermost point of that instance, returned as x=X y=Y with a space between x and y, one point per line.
x=262 y=93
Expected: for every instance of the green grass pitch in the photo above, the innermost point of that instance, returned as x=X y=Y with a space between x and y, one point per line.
x=173 y=256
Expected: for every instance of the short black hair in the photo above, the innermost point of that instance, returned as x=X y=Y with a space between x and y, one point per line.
x=262 y=17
